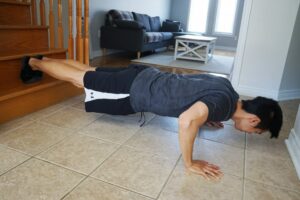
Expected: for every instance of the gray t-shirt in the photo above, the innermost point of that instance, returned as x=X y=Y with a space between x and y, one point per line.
x=169 y=94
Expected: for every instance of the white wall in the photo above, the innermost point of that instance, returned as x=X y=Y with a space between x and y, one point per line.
x=293 y=143
x=264 y=41
x=290 y=83
x=98 y=9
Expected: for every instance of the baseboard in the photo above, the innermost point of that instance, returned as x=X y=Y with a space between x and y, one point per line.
x=225 y=48
x=289 y=94
x=293 y=145
x=98 y=53
x=253 y=92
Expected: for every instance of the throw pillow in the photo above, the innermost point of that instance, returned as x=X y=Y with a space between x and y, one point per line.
x=143 y=19
x=168 y=26
x=155 y=24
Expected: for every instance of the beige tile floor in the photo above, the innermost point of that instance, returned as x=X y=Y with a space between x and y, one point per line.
x=62 y=152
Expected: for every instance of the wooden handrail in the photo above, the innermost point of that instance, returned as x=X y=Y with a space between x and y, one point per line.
x=60 y=40
x=86 y=32
x=70 y=41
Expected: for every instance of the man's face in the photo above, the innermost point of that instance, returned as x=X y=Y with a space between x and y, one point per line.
x=246 y=125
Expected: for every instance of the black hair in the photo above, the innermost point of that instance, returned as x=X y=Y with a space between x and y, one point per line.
x=268 y=111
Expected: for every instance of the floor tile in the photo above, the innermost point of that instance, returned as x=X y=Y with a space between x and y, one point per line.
x=80 y=106
x=230 y=159
x=92 y=189
x=33 y=138
x=183 y=186
x=36 y=179
x=263 y=144
x=156 y=140
x=71 y=118
x=73 y=100
x=256 y=191
x=80 y=153
x=167 y=123
x=14 y=124
x=134 y=117
x=10 y=158
x=110 y=129
x=39 y=115
x=136 y=170
x=229 y=122
x=271 y=170
x=227 y=135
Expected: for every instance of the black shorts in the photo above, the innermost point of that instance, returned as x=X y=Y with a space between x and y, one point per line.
x=108 y=89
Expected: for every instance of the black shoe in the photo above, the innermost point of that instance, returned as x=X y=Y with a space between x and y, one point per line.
x=27 y=74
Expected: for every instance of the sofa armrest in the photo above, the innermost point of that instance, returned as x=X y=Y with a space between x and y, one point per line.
x=123 y=39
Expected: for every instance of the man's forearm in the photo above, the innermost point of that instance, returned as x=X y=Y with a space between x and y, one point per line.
x=187 y=135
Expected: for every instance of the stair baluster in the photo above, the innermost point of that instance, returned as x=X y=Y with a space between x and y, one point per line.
x=42 y=13
x=70 y=41
x=86 y=32
x=60 y=27
x=51 y=24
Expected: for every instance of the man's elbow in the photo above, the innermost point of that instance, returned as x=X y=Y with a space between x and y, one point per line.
x=184 y=122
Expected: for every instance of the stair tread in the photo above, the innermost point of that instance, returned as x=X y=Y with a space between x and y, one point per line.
x=29 y=26
x=46 y=82
x=15 y=2
x=9 y=55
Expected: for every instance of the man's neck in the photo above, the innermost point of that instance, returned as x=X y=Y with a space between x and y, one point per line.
x=239 y=112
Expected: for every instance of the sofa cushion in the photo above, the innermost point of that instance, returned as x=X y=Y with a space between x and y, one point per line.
x=144 y=19
x=113 y=15
x=129 y=24
x=155 y=24
x=167 y=35
x=153 y=37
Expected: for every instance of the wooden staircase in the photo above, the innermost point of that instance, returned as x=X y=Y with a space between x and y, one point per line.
x=18 y=37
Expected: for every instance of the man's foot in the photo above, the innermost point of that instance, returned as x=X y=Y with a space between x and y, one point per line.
x=27 y=74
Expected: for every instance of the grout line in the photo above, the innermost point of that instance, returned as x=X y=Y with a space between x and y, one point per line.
x=16 y=166
x=89 y=175
x=274 y=186
x=169 y=177
x=121 y=187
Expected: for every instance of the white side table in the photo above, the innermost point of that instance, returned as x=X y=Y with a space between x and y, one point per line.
x=194 y=47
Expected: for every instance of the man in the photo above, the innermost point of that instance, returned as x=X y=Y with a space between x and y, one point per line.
x=195 y=99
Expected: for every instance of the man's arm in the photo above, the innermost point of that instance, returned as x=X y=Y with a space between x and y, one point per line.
x=189 y=124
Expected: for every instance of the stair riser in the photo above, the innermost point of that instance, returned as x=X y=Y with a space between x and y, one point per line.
x=10 y=72
x=13 y=14
x=25 y=104
x=23 y=39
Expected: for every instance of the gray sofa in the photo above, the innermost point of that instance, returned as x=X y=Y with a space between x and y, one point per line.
x=130 y=31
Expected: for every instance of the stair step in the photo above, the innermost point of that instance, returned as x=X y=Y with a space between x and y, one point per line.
x=33 y=37
x=35 y=98
x=18 y=99
x=10 y=67
x=14 y=13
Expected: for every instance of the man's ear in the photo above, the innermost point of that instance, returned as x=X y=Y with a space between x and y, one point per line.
x=253 y=120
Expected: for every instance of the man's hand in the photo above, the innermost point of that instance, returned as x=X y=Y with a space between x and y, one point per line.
x=205 y=169
x=215 y=124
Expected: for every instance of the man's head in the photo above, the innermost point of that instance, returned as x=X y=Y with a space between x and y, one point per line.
x=261 y=114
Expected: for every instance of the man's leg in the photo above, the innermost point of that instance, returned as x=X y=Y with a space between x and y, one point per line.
x=82 y=66
x=60 y=70
x=72 y=63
